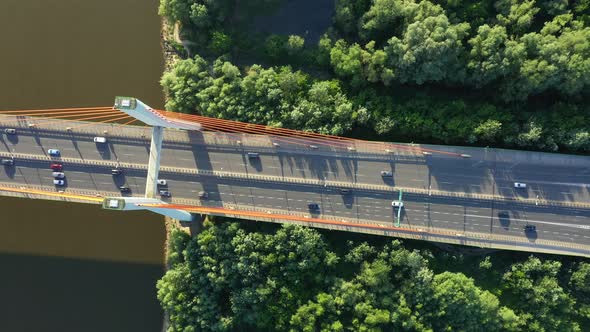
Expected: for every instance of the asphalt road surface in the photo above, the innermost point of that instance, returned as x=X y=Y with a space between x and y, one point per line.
x=553 y=181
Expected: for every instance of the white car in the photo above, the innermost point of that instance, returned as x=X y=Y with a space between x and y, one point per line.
x=161 y=182
x=53 y=152
x=398 y=204
x=519 y=185
x=58 y=182
x=58 y=175
x=100 y=140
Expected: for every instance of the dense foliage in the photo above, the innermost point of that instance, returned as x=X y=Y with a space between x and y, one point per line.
x=232 y=278
x=488 y=72
x=504 y=73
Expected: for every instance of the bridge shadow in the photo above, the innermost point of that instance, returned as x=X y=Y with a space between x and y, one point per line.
x=104 y=149
x=203 y=161
x=255 y=163
x=13 y=139
x=10 y=170
x=348 y=200
x=504 y=219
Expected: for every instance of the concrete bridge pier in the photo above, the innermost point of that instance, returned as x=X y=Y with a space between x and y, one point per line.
x=151 y=187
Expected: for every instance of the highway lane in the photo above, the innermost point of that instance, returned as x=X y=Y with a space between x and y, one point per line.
x=482 y=173
x=561 y=224
x=410 y=170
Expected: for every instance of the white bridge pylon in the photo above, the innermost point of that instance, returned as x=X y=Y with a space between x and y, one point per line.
x=142 y=112
x=131 y=203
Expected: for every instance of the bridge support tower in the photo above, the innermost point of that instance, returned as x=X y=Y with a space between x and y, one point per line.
x=151 y=186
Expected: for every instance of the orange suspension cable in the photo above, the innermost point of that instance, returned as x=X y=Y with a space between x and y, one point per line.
x=130 y=122
x=60 y=113
x=262 y=128
x=58 y=109
x=109 y=120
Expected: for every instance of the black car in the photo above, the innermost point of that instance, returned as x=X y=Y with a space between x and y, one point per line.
x=124 y=189
x=313 y=206
x=116 y=171
x=530 y=228
x=345 y=191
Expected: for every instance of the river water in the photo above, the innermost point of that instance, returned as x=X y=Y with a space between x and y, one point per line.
x=66 y=266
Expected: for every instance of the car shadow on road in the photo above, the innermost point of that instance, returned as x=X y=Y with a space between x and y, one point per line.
x=504 y=218
x=531 y=235
x=10 y=171
x=202 y=160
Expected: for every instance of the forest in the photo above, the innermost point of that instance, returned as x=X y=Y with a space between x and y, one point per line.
x=254 y=276
x=504 y=73
x=498 y=73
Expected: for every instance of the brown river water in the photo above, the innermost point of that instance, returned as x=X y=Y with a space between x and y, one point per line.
x=66 y=266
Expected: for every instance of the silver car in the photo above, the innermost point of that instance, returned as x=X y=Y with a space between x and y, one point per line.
x=58 y=175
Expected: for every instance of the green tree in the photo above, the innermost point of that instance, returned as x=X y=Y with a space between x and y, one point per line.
x=580 y=285
x=489 y=130
x=516 y=15
x=175 y=10
x=183 y=82
x=493 y=56
x=220 y=42
x=538 y=298
x=429 y=51
x=294 y=44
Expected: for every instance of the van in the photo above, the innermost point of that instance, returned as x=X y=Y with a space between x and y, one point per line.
x=253 y=155
x=99 y=139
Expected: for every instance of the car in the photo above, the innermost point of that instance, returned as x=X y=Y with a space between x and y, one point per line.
x=311 y=146
x=252 y=155
x=56 y=167
x=165 y=193
x=161 y=182
x=530 y=228
x=116 y=171
x=8 y=162
x=100 y=140
x=124 y=189
x=398 y=204
x=386 y=173
x=275 y=144
x=53 y=152
x=58 y=182
x=58 y=175
x=313 y=206
x=203 y=194
x=10 y=131
x=345 y=191
x=519 y=185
